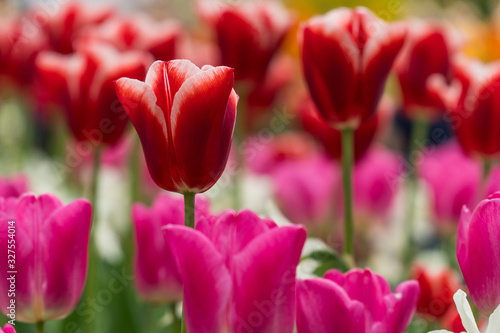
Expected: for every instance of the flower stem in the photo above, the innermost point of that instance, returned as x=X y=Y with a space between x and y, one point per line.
x=347 y=164
x=417 y=141
x=135 y=189
x=40 y=327
x=96 y=166
x=189 y=218
x=486 y=170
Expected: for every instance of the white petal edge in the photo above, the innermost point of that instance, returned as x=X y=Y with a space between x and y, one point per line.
x=465 y=312
x=494 y=321
x=440 y=331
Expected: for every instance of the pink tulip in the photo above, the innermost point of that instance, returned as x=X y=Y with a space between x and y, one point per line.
x=453 y=180
x=158 y=280
x=13 y=186
x=304 y=189
x=355 y=302
x=7 y=329
x=51 y=242
x=478 y=252
x=238 y=272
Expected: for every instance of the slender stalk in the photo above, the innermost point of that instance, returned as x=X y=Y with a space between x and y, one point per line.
x=417 y=141
x=92 y=275
x=347 y=164
x=135 y=190
x=189 y=218
x=40 y=327
x=240 y=136
x=486 y=170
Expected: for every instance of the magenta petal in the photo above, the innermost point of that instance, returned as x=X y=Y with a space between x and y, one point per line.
x=324 y=307
x=207 y=282
x=264 y=282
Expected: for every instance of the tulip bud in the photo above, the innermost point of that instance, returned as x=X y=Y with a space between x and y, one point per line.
x=185 y=119
x=478 y=252
x=50 y=243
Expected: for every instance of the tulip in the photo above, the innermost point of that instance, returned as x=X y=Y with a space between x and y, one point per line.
x=139 y=32
x=453 y=181
x=436 y=290
x=425 y=58
x=304 y=189
x=358 y=301
x=248 y=34
x=452 y=321
x=159 y=281
x=477 y=252
x=7 y=329
x=238 y=273
x=468 y=320
x=185 y=119
x=475 y=114
x=13 y=186
x=346 y=57
x=51 y=242
x=82 y=84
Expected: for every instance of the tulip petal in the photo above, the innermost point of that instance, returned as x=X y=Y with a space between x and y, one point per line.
x=68 y=230
x=202 y=120
x=324 y=307
x=494 y=321
x=401 y=307
x=140 y=103
x=264 y=282
x=465 y=312
x=206 y=280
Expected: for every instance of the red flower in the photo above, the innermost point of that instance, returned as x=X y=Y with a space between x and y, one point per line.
x=423 y=62
x=346 y=56
x=476 y=116
x=330 y=137
x=139 y=32
x=185 y=119
x=248 y=34
x=436 y=290
x=82 y=84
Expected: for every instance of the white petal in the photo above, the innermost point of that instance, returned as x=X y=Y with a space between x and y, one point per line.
x=465 y=311
x=494 y=322
x=440 y=331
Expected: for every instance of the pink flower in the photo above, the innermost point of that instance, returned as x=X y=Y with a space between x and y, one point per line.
x=7 y=329
x=51 y=242
x=355 y=302
x=453 y=180
x=238 y=272
x=13 y=186
x=158 y=280
x=478 y=252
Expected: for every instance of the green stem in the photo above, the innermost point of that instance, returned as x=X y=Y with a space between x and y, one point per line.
x=40 y=327
x=347 y=164
x=189 y=218
x=135 y=189
x=486 y=170
x=92 y=275
x=240 y=136
x=417 y=142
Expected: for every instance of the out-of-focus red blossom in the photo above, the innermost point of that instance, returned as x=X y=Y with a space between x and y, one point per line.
x=304 y=189
x=159 y=281
x=475 y=116
x=82 y=84
x=436 y=290
x=13 y=187
x=264 y=157
x=185 y=119
x=248 y=34
x=262 y=96
x=452 y=321
x=139 y=32
x=19 y=48
x=62 y=23
x=424 y=66
x=199 y=51
x=330 y=137
x=346 y=57
x=453 y=180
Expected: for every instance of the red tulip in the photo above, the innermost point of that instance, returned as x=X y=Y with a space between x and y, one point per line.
x=424 y=59
x=477 y=114
x=62 y=23
x=346 y=57
x=436 y=290
x=141 y=33
x=185 y=119
x=248 y=34
x=83 y=85
x=330 y=137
